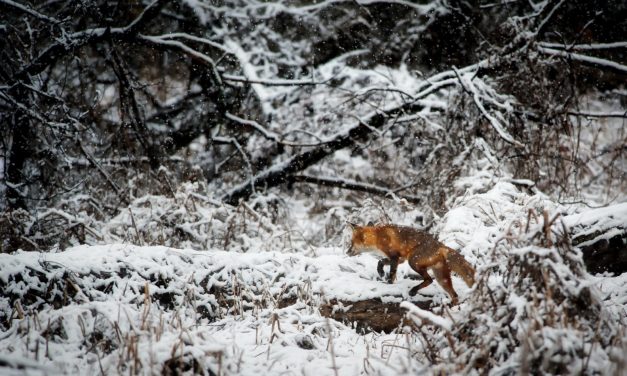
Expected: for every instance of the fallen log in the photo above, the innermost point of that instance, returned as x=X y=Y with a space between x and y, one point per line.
x=369 y=315
x=601 y=234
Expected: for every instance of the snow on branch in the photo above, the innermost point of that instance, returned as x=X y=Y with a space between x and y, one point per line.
x=193 y=38
x=272 y=82
x=150 y=12
x=82 y=38
x=584 y=47
x=160 y=40
x=256 y=126
x=596 y=62
x=275 y=137
x=28 y=10
x=273 y=7
x=280 y=172
x=351 y=185
x=421 y=316
x=546 y=14
x=468 y=85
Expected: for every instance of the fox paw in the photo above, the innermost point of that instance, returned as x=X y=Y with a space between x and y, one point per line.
x=386 y=278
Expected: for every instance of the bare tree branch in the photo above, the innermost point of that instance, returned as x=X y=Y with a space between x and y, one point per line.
x=104 y=174
x=85 y=37
x=28 y=10
x=351 y=185
x=585 y=47
x=592 y=61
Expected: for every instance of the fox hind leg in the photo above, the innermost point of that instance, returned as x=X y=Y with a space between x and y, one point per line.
x=443 y=276
x=426 y=281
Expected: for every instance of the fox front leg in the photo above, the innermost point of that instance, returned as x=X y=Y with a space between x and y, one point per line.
x=393 y=267
x=382 y=263
x=393 y=262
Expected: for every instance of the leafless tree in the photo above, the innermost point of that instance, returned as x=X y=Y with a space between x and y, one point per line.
x=105 y=99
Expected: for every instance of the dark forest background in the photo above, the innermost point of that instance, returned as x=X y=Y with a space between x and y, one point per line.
x=105 y=102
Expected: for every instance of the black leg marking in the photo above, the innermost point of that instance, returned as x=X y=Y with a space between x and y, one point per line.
x=380 y=266
x=393 y=267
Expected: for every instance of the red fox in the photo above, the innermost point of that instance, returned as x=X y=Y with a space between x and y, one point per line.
x=398 y=243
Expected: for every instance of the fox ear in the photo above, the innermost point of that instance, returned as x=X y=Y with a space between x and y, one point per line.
x=370 y=223
x=351 y=225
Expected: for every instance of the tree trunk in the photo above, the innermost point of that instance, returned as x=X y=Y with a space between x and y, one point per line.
x=18 y=151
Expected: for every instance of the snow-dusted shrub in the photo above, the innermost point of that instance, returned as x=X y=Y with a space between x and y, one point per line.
x=185 y=218
x=12 y=227
x=532 y=311
x=190 y=219
x=50 y=228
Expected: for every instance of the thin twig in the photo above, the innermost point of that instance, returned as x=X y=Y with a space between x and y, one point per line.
x=110 y=181
x=351 y=185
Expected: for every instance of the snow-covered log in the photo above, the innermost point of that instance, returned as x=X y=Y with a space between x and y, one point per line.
x=601 y=234
x=370 y=314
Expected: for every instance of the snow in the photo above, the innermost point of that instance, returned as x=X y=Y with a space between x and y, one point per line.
x=246 y=340
x=585 y=58
x=610 y=220
x=187 y=282
x=118 y=306
x=335 y=274
x=421 y=316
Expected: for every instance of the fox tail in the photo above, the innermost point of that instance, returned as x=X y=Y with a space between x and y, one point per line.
x=458 y=264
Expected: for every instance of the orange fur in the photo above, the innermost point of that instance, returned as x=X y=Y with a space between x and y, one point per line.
x=398 y=244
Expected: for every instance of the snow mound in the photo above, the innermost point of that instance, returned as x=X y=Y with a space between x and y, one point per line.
x=124 y=308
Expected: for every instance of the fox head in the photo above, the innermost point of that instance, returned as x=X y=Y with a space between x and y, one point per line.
x=364 y=240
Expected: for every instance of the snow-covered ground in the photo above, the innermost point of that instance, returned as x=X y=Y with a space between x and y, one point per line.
x=121 y=308
x=239 y=337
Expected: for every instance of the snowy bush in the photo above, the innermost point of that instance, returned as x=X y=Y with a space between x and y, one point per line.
x=533 y=309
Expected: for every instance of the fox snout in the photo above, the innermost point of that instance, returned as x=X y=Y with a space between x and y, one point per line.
x=354 y=250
